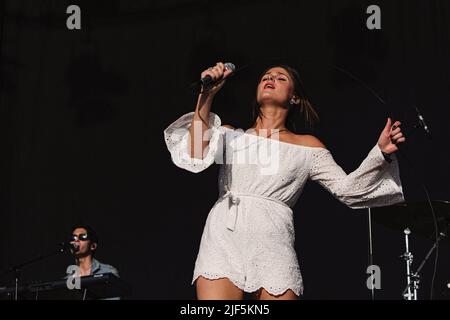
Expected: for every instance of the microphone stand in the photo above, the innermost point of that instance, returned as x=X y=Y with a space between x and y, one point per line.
x=17 y=268
x=421 y=124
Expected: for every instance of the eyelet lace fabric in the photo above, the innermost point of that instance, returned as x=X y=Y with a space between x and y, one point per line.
x=375 y=183
x=249 y=233
x=177 y=140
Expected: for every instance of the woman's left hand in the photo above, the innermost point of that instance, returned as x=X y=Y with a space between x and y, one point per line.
x=391 y=137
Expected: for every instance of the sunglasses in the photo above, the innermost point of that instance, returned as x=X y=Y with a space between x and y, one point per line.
x=81 y=237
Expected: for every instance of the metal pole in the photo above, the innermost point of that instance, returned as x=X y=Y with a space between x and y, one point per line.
x=371 y=251
x=408 y=258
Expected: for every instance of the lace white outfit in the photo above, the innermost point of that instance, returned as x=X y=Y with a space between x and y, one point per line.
x=249 y=233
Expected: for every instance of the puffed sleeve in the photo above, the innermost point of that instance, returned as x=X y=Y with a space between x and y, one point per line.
x=177 y=135
x=375 y=183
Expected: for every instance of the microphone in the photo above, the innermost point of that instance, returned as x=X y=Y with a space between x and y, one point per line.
x=208 y=81
x=422 y=122
x=70 y=246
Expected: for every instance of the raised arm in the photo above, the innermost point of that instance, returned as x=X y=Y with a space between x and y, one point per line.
x=199 y=152
x=200 y=121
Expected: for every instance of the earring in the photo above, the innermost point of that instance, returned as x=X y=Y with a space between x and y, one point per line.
x=292 y=101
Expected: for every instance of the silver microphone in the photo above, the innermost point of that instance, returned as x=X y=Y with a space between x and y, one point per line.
x=208 y=81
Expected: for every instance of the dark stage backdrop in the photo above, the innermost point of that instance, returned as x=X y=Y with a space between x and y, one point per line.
x=83 y=114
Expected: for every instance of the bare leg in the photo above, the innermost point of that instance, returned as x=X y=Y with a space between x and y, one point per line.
x=220 y=289
x=262 y=294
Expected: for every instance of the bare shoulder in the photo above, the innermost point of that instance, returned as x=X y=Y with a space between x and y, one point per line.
x=308 y=141
x=228 y=126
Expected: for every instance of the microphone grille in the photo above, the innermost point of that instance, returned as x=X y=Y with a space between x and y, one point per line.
x=230 y=66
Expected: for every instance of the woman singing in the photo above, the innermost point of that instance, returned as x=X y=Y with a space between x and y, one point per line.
x=248 y=239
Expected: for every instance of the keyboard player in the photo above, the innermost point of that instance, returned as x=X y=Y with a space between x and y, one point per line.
x=84 y=242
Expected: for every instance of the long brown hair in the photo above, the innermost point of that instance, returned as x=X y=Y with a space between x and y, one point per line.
x=303 y=111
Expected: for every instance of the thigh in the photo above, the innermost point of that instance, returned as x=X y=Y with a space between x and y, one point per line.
x=262 y=294
x=220 y=289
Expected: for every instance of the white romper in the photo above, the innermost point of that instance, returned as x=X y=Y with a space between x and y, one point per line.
x=249 y=233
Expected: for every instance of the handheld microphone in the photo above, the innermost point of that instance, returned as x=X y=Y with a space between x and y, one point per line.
x=208 y=81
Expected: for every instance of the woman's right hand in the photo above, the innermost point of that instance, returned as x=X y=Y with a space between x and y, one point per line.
x=217 y=73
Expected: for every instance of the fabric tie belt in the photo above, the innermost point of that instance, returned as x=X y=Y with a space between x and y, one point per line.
x=234 y=202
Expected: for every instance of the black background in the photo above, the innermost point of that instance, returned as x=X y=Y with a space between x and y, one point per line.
x=83 y=114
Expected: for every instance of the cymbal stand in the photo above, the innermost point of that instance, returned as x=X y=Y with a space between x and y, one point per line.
x=415 y=276
x=411 y=280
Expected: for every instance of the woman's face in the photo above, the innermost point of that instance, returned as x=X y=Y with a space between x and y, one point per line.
x=275 y=87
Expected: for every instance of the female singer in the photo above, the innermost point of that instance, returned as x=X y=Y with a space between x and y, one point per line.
x=248 y=239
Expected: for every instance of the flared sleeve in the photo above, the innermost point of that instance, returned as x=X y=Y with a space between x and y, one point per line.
x=375 y=183
x=177 y=140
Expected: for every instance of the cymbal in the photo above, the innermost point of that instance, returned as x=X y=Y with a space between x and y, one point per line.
x=416 y=216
